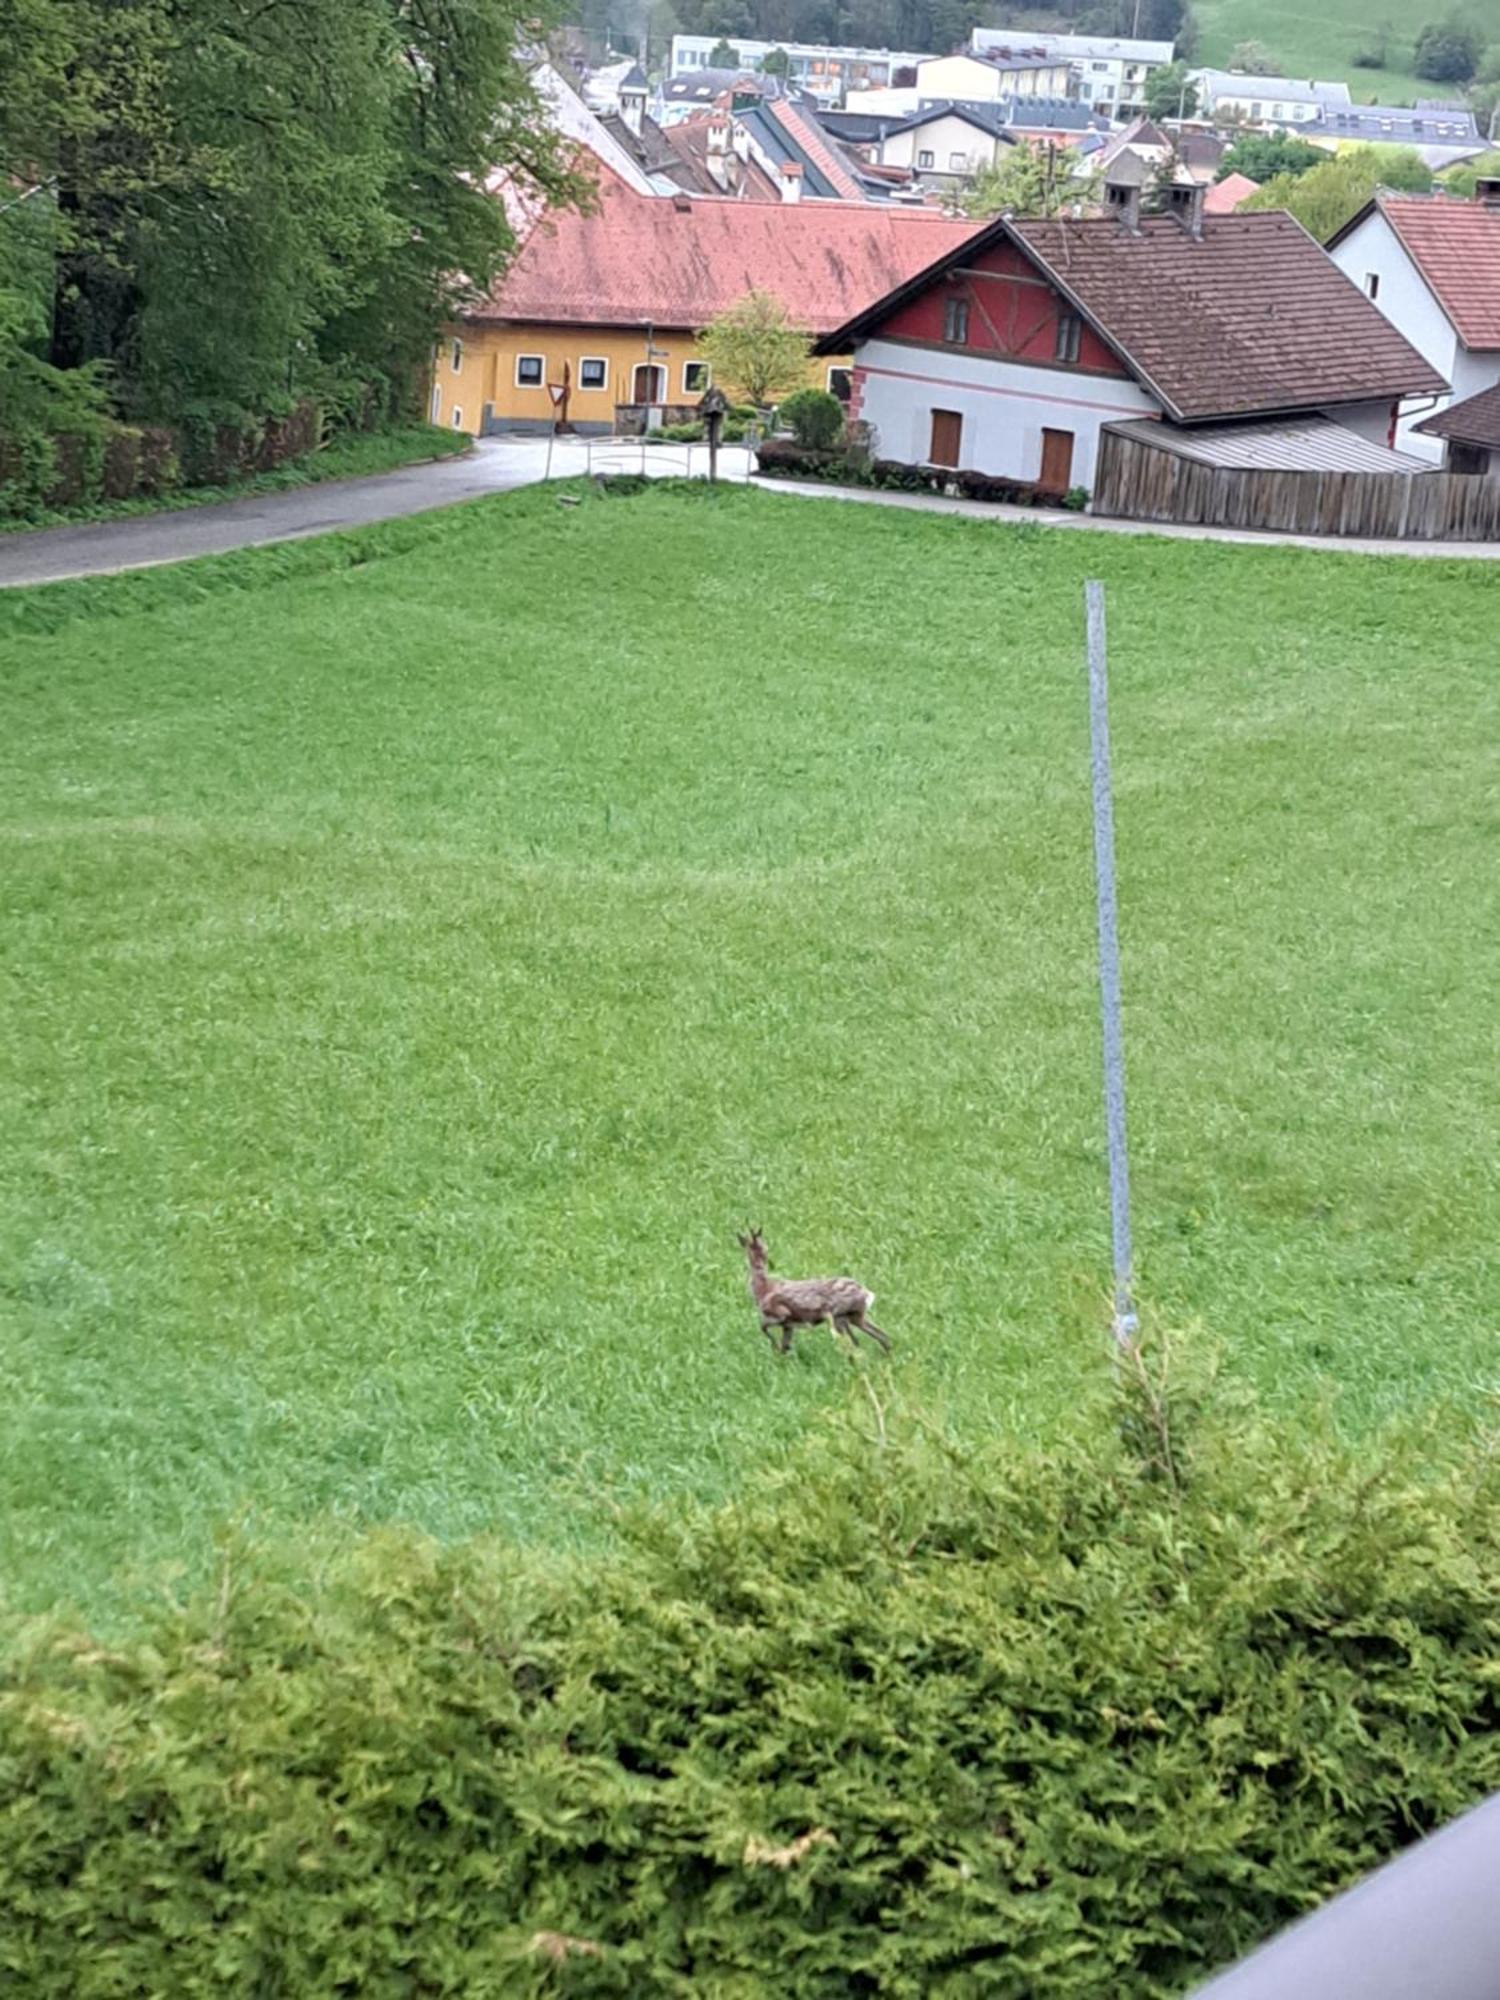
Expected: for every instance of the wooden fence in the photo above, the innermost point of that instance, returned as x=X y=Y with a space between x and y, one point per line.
x=1141 y=482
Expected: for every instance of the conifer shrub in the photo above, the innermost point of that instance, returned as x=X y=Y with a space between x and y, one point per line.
x=908 y=1719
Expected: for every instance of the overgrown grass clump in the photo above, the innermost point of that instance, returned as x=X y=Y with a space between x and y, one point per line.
x=911 y=1718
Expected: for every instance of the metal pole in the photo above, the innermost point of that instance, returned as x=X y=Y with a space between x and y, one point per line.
x=1125 y=1323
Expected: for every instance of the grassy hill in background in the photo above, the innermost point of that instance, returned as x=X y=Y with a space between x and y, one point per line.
x=1322 y=41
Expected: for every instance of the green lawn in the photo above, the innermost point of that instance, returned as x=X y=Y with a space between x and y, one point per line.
x=1321 y=41
x=424 y=949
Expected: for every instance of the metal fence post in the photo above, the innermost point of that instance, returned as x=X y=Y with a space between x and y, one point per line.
x=1125 y=1323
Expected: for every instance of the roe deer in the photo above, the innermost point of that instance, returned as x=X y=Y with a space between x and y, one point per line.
x=787 y=1303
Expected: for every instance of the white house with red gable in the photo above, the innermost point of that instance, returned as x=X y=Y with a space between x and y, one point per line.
x=1431 y=264
x=1010 y=353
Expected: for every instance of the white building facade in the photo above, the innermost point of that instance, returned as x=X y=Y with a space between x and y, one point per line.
x=821 y=69
x=972 y=79
x=1112 y=71
x=1005 y=410
x=1373 y=255
x=1267 y=100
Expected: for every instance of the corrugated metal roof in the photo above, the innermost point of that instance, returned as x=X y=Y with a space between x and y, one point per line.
x=1305 y=444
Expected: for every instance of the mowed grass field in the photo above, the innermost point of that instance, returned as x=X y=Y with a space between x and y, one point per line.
x=1322 y=41
x=424 y=950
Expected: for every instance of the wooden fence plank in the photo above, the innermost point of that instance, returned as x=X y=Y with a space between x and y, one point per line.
x=1137 y=481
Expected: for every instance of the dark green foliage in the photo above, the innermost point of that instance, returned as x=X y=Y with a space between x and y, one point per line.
x=1263 y=155
x=910 y=1720
x=815 y=418
x=1448 y=51
x=241 y=204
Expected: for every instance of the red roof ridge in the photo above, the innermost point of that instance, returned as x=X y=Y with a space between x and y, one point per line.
x=813 y=143
x=1455 y=245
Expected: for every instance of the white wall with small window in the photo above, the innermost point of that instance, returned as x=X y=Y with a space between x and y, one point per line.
x=593 y=372
x=1004 y=407
x=1373 y=257
x=531 y=371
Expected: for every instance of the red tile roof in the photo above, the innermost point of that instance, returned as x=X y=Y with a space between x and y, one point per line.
x=1225 y=196
x=1251 y=318
x=805 y=131
x=1476 y=420
x=642 y=259
x=1456 y=247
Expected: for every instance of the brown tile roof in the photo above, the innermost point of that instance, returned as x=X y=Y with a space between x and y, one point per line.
x=689 y=140
x=1251 y=318
x=677 y=261
x=1456 y=247
x=1476 y=420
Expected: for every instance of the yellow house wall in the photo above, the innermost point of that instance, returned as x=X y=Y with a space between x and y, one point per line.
x=486 y=372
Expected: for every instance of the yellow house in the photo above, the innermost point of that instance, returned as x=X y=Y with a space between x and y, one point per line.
x=609 y=305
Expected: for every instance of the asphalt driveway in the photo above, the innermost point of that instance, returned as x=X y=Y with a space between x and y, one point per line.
x=98 y=548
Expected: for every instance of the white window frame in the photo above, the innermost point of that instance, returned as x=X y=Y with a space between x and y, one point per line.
x=838 y=368
x=958 y=163
x=458 y=418
x=593 y=361
x=704 y=386
x=541 y=362
x=925 y=159
x=456 y=355
x=1372 y=284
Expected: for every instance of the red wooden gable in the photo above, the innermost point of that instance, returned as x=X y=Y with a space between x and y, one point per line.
x=1013 y=312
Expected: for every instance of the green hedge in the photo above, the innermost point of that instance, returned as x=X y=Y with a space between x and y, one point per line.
x=908 y=1720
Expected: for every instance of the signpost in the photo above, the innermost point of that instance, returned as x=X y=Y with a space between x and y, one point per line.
x=713 y=407
x=1125 y=1323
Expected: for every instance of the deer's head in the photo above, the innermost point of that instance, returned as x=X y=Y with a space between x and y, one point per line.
x=754 y=1247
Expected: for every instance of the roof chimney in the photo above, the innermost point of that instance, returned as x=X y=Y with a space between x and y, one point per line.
x=1184 y=199
x=1125 y=204
x=1487 y=190
x=718 y=132
x=791 y=180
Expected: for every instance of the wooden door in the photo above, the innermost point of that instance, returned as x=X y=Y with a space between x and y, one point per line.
x=650 y=385
x=1057 y=461
x=947 y=437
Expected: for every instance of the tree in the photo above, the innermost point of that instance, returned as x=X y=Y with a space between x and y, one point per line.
x=1170 y=94
x=1253 y=59
x=1461 y=180
x=1262 y=156
x=723 y=56
x=1447 y=51
x=776 y=63
x=1326 y=196
x=244 y=202
x=1026 y=180
x=754 y=350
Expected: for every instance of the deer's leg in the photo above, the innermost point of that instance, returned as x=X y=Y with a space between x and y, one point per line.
x=768 y=1328
x=868 y=1326
x=786 y=1338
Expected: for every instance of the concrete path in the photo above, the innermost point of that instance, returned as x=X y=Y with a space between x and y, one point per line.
x=99 y=548
x=1058 y=517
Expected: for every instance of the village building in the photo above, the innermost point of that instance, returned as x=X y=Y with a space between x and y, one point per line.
x=1113 y=70
x=1010 y=353
x=1431 y=265
x=599 y=313
x=1470 y=433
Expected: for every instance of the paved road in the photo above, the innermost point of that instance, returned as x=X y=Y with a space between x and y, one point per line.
x=1057 y=517
x=98 y=548
x=497 y=464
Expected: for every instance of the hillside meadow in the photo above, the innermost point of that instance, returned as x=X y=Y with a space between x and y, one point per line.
x=1323 y=41
x=424 y=949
